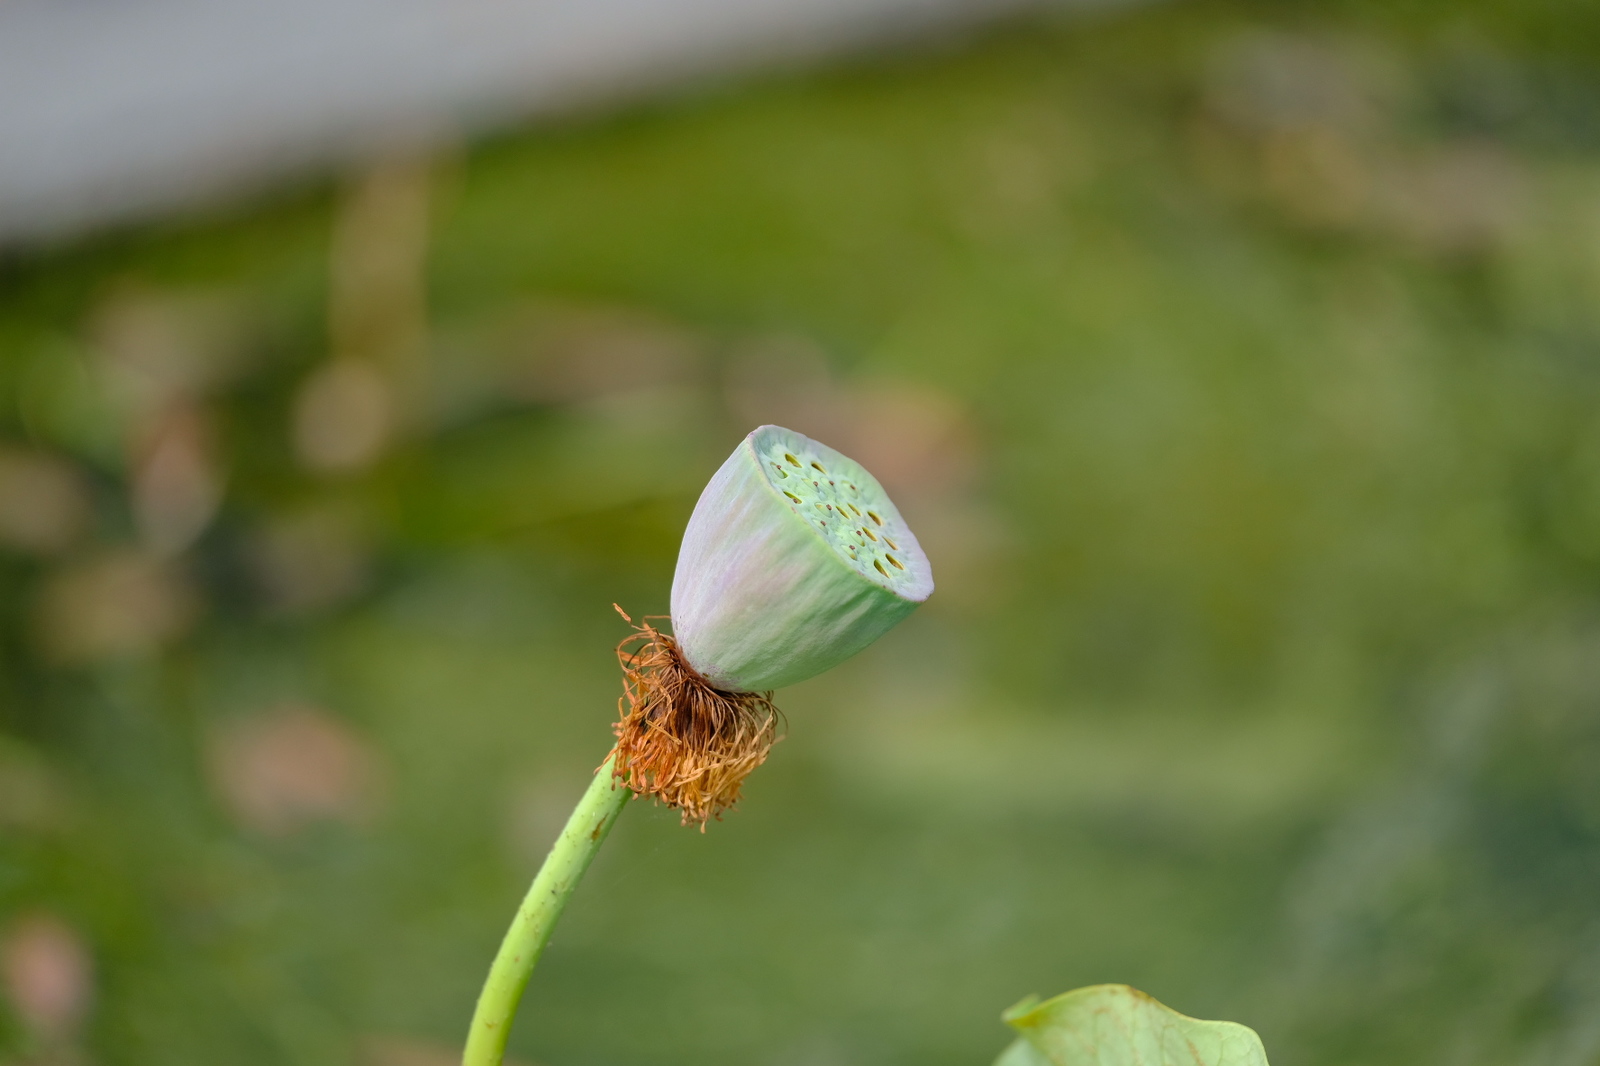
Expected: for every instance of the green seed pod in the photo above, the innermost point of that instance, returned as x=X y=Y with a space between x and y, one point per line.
x=793 y=561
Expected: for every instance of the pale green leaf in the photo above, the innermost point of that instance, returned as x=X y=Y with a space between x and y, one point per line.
x=1114 y=1025
x=1021 y=1053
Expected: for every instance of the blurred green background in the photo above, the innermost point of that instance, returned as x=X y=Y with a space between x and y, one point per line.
x=1238 y=365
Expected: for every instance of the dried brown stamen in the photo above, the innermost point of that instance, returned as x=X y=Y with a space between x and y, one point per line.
x=680 y=739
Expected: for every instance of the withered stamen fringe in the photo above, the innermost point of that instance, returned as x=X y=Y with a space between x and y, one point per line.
x=681 y=740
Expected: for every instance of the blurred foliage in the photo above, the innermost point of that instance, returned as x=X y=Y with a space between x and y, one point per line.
x=1238 y=366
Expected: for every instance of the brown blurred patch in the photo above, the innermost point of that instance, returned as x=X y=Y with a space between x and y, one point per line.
x=349 y=410
x=1319 y=174
x=572 y=353
x=1455 y=198
x=159 y=354
x=48 y=975
x=1313 y=123
x=44 y=503
x=916 y=439
x=293 y=766
x=1296 y=117
x=154 y=346
x=122 y=603
x=176 y=485
x=344 y=416
x=310 y=560
x=377 y=265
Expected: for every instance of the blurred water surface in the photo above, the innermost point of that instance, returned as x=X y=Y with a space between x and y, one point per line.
x=1238 y=366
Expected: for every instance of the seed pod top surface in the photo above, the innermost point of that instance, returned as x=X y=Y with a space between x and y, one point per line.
x=794 y=560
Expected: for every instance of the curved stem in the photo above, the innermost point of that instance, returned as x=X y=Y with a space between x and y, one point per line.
x=569 y=857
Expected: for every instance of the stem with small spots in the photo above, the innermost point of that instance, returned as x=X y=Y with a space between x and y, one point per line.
x=525 y=941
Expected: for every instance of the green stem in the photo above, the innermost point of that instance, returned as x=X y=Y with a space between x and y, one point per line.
x=563 y=868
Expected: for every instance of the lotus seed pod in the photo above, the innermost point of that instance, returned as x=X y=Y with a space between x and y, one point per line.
x=793 y=561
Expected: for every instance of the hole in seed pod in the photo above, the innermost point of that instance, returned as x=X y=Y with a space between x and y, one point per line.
x=874 y=516
x=819 y=466
x=791 y=459
x=854 y=508
x=869 y=533
x=893 y=561
x=890 y=543
x=879 y=568
x=781 y=471
x=791 y=495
